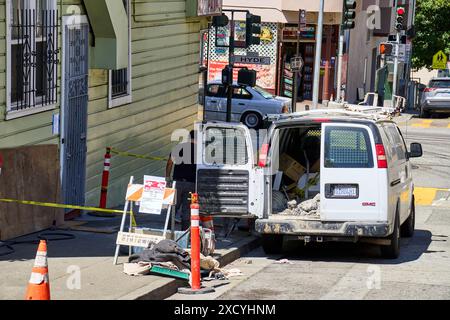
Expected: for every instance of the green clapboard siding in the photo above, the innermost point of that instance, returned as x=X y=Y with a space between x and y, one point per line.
x=165 y=57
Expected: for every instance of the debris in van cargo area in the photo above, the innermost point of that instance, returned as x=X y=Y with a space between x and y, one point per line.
x=305 y=208
x=292 y=204
x=284 y=261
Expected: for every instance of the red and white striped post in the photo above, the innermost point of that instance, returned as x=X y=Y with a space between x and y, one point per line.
x=195 y=242
x=196 y=286
x=105 y=178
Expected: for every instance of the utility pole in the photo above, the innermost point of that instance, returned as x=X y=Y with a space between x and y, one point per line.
x=395 y=80
x=339 y=71
x=318 y=56
x=399 y=25
x=295 y=82
x=230 y=65
x=348 y=16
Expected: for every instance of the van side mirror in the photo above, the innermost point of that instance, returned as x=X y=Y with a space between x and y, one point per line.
x=415 y=150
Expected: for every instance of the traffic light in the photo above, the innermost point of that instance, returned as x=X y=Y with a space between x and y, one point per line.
x=220 y=21
x=400 y=20
x=253 y=29
x=386 y=48
x=349 y=14
x=227 y=76
x=247 y=77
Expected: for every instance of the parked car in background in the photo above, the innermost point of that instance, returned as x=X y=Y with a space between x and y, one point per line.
x=249 y=106
x=436 y=97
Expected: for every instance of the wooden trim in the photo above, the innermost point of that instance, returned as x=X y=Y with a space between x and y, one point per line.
x=116 y=102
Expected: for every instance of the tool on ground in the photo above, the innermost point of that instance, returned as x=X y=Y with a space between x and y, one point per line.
x=39 y=284
x=195 y=280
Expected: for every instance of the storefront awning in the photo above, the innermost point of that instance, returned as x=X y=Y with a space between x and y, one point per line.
x=109 y=22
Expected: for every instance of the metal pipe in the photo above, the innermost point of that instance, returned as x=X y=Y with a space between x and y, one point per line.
x=230 y=63
x=318 y=55
x=395 y=80
x=339 y=71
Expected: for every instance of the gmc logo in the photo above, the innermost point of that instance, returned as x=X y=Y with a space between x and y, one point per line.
x=369 y=204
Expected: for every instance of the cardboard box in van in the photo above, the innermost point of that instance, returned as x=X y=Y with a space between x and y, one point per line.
x=315 y=167
x=290 y=167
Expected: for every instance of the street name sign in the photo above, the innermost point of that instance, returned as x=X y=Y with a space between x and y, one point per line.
x=252 y=60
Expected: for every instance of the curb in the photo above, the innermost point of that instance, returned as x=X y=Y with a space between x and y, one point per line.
x=165 y=287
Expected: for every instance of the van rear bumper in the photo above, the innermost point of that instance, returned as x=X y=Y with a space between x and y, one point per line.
x=318 y=228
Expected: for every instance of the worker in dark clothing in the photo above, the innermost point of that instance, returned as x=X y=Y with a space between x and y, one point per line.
x=182 y=161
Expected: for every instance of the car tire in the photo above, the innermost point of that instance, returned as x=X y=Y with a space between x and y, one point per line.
x=407 y=229
x=392 y=251
x=279 y=202
x=252 y=120
x=272 y=243
x=424 y=113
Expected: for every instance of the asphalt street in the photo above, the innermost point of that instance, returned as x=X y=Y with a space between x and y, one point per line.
x=356 y=271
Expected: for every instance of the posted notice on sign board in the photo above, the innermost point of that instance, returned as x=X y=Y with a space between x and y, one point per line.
x=152 y=195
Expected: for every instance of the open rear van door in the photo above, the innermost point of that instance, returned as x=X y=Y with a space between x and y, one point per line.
x=228 y=181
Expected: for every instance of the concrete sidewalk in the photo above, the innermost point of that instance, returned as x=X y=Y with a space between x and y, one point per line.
x=90 y=256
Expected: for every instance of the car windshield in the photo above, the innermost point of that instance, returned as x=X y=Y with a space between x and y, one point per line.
x=440 y=84
x=263 y=92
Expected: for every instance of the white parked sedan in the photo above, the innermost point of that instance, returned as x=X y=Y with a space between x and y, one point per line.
x=436 y=97
x=249 y=106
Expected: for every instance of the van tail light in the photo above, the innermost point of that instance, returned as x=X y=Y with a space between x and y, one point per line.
x=262 y=162
x=321 y=120
x=381 y=156
x=429 y=89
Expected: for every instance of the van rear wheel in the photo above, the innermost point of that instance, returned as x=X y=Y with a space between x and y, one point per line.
x=272 y=243
x=392 y=251
x=407 y=229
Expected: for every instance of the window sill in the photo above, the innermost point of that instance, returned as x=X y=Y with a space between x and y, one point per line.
x=10 y=115
x=117 y=102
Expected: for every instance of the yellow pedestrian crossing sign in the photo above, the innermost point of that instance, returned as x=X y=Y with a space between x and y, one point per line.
x=440 y=60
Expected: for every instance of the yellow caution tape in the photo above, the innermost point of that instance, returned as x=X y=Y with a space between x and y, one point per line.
x=135 y=155
x=133 y=221
x=62 y=206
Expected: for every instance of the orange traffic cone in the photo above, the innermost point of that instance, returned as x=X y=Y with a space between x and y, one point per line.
x=39 y=284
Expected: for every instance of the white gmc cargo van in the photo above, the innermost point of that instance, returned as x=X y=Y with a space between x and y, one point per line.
x=364 y=188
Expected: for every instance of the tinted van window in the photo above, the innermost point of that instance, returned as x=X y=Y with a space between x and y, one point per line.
x=347 y=148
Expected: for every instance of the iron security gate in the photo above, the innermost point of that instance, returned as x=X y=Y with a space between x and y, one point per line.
x=75 y=104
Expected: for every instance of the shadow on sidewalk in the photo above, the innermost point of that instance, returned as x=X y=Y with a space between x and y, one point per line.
x=95 y=244
x=411 y=249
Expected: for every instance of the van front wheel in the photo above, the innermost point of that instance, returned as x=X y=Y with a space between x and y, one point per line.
x=392 y=251
x=272 y=243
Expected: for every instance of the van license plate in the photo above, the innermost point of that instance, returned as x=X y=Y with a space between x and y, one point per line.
x=345 y=191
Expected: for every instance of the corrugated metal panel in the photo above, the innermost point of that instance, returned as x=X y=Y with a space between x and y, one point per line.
x=223 y=192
